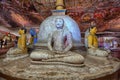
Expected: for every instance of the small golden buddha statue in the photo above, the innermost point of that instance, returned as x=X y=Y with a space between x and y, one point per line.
x=92 y=44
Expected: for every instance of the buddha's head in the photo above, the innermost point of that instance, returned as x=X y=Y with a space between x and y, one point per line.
x=22 y=31
x=93 y=30
x=59 y=23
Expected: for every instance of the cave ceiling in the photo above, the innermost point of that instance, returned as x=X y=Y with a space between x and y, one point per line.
x=30 y=13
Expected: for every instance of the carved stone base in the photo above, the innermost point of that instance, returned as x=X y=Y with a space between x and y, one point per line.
x=14 y=54
x=56 y=63
x=56 y=70
x=23 y=69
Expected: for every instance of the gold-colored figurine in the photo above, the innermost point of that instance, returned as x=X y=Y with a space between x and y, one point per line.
x=92 y=38
x=22 y=40
x=92 y=43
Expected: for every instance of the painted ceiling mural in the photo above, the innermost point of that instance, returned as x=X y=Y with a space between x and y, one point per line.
x=30 y=13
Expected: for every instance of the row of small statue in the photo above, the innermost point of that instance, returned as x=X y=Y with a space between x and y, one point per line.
x=7 y=38
x=22 y=39
x=57 y=49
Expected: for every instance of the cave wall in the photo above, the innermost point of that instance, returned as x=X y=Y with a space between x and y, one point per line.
x=30 y=13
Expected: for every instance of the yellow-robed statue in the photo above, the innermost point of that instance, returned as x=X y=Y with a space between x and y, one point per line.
x=22 y=40
x=91 y=43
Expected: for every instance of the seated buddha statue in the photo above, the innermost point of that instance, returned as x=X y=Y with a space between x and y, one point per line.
x=92 y=44
x=59 y=44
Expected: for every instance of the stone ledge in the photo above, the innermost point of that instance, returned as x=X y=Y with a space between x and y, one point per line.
x=22 y=69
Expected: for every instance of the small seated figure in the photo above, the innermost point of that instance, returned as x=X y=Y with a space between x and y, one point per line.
x=107 y=44
x=92 y=44
x=59 y=44
x=33 y=38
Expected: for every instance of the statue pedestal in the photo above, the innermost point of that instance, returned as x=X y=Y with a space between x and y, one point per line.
x=14 y=54
x=98 y=60
x=15 y=58
x=21 y=69
x=57 y=64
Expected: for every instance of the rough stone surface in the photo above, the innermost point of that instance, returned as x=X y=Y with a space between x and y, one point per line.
x=24 y=69
x=14 y=54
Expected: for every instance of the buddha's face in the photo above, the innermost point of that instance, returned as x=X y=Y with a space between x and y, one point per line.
x=21 y=31
x=59 y=23
x=93 y=30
